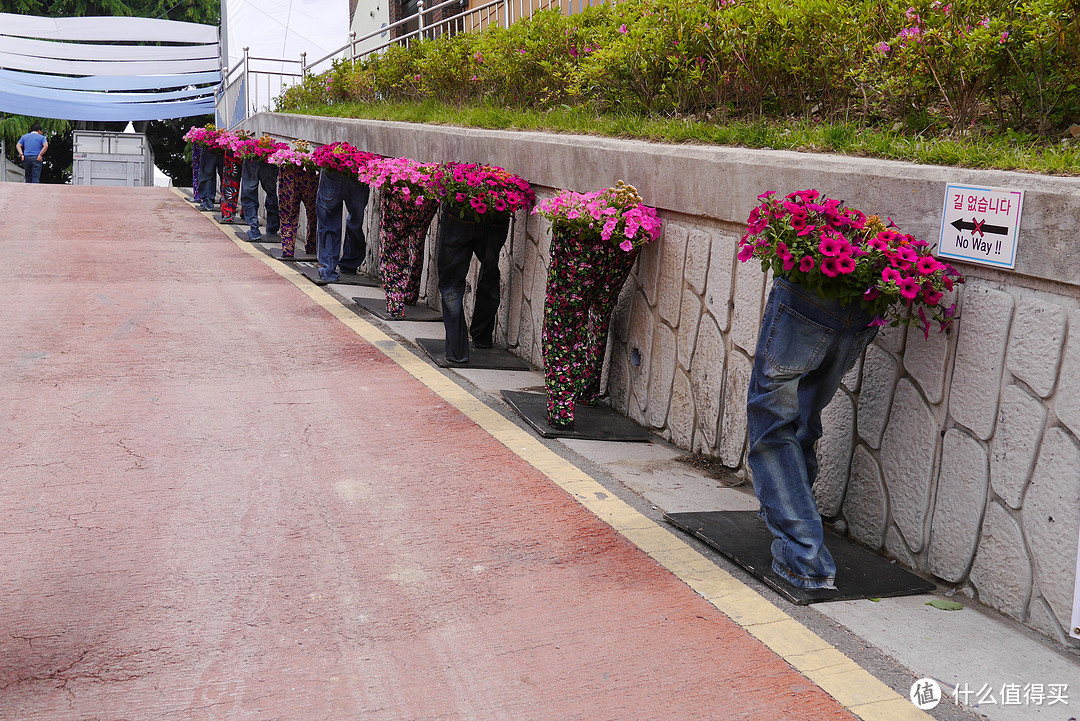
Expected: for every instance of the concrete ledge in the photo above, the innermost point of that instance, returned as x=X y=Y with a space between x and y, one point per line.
x=722 y=183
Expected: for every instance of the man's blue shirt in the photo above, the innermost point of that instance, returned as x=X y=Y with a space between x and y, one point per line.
x=32 y=143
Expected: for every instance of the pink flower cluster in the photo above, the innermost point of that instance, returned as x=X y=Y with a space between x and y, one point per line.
x=343 y=158
x=409 y=178
x=206 y=135
x=839 y=251
x=474 y=190
x=604 y=214
x=255 y=149
x=288 y=156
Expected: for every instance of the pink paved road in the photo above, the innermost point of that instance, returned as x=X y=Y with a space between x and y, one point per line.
x=217 y=502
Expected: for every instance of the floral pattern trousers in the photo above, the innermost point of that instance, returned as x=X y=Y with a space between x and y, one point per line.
x=584 y=280
x=230 y=186
x=297 y=186
x=402 y=230
x=196 y=155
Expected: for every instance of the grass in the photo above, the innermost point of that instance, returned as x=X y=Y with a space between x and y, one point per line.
x=997 y=152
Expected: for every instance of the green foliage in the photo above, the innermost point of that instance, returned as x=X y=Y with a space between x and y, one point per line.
x=195 y=11
x=916 y=68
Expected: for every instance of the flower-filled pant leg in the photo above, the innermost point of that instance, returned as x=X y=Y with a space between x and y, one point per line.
x=196 y=156
x=288 y=208
x=230 y=186
x=307 y=190
x=612 y=268
x=402 y=229
x=584 y=280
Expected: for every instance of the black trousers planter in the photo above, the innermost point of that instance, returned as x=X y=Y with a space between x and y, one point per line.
x=584 y=280
x=459 y=241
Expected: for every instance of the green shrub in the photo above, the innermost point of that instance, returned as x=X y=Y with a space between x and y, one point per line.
x=923 y=66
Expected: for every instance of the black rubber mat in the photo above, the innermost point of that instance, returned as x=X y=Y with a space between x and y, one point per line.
x=744 y=538
x=311 y=270
x=243 y=235
x=377 y=307
x=300 y=258
x=591 y=423
x=487 y=358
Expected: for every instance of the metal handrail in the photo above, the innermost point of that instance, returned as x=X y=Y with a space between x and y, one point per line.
x=398 y=39
x=507 y=8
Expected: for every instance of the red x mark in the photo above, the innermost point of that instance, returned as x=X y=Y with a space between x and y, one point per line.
x=978 y=228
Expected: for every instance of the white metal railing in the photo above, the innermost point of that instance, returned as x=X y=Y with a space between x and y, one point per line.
x=241 y=92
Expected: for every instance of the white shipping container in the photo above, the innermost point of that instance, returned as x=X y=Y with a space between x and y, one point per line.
x=119 y=159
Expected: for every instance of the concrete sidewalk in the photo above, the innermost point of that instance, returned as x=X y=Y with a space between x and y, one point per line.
x=231 y=496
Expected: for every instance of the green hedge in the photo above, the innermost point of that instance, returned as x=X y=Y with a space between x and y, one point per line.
x=937 y=66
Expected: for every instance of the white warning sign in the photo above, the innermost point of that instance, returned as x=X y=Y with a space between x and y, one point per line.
x=981 y=225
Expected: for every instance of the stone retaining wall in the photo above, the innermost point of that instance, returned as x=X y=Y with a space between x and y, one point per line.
x=955 y=455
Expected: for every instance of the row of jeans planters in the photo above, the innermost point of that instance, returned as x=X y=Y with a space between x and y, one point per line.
x=401 y=233
x=584 y=278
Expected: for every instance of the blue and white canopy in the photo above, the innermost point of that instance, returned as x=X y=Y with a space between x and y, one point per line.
x=107 y=68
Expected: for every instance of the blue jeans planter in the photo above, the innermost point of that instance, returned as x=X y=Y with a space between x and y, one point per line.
x=253 y=174
x=211 y=165
x=336 y=190
x=806 y=345
x=459 y=241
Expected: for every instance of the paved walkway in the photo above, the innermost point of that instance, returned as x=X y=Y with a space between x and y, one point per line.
x=224 y=496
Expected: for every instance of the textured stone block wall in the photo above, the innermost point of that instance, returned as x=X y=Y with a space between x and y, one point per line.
x=956 y=455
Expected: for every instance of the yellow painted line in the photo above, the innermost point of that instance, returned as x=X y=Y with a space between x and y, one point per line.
x=839 y=676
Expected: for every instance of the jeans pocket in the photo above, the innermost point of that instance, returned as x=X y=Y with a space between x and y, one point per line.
x=795 y=344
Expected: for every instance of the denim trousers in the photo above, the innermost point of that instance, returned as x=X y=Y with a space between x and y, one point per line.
x=336 y=190
x=459 y=240
x=31 y=169
x=806 y=345
x=211 y=165
x=253 y=174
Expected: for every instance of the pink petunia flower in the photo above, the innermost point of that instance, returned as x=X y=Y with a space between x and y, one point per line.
x=806 y=264
x=909 y=287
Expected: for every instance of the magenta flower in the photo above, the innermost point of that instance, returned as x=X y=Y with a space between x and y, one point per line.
x=909 y=287
x=890 y=275
x=746 y=253
x=882 y=47
x=927 y=265
x=829 y=267
x=831 y=246
x=845 y=264
x=798 y=220
x=622 y=29
x=806 y=264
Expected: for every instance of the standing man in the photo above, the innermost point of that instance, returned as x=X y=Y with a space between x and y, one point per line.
x=32 y=147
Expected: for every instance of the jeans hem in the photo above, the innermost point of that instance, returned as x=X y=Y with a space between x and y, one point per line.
x=804 y=582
